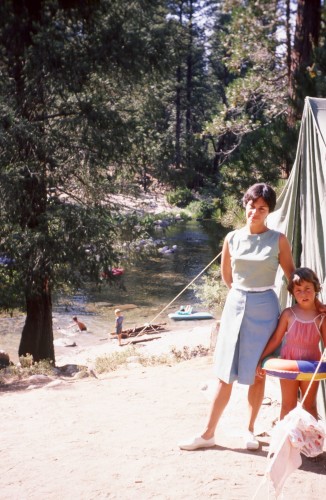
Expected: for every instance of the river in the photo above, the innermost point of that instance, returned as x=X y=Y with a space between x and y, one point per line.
x=150 y=282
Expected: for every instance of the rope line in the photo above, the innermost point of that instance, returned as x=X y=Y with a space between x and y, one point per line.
x=175 y=298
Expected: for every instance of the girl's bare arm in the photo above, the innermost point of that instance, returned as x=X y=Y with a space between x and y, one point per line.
x=278 y=334
x=323 y=332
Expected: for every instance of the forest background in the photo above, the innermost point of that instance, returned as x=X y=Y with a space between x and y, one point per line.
x=104 y=97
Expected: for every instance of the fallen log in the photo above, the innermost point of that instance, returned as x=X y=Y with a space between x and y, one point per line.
x=148 y=328
x=143 y=339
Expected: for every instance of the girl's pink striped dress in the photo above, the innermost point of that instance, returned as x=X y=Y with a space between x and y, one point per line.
x=302 y=339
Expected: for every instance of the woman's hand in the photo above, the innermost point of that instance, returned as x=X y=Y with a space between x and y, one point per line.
x=321 y=308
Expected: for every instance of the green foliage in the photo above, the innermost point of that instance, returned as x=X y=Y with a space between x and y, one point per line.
x=69 y=128
x=249 y=133
x=180 y=197
x=71 y=80
x=11 y=296
x=212 y=292
x=204 y=209
x=210 y=209
x=233 y=215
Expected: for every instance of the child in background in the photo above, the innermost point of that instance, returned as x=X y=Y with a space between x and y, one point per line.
x=300 y=329
x=81 y=326
x=118 y=325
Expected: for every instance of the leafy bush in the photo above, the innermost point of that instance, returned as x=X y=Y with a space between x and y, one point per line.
x=193 y=209
x=209 y=208
x=212 y=292
x=205 y=209
x=180 y=197
x=233 y=214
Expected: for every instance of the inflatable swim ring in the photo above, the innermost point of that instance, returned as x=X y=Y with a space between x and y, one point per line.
x=294 y=369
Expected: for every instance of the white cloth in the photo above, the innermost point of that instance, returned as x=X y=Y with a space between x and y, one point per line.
x=299 y=432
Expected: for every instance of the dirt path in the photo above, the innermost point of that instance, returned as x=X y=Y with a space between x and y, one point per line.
x=116 y=437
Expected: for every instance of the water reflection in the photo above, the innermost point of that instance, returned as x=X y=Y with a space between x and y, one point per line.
x=154 y=281
x=151 y=282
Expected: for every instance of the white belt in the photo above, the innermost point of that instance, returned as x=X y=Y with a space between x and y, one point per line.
x=253 y=289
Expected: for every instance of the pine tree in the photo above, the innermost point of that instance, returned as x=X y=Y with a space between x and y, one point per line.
x=64 y=138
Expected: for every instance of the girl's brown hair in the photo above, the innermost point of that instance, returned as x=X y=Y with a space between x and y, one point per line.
x=303 y=274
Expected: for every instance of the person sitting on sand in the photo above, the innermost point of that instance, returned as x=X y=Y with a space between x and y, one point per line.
x=81 y=326
x=185 y=309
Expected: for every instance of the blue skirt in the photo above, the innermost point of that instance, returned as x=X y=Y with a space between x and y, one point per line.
x=248 y=321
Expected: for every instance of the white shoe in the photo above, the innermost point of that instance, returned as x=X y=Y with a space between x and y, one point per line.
x=250 y=441
x=196 y=443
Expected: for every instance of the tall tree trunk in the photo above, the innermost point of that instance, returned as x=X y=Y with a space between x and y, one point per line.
x=306 y=33
x=306 y=37
x=178 y=119
x=189 y=84
x=37 y=334
x=288 y=39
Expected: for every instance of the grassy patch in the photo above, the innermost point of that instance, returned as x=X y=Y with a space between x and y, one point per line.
x=116 y=360
x=26 y=368
x=103 y=364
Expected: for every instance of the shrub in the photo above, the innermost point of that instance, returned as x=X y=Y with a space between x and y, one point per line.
x=180 y=197
x=204 y=209
x=211 y=291
x=233 y=214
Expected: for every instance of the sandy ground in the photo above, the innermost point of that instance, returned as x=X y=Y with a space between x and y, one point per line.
x=116 y=436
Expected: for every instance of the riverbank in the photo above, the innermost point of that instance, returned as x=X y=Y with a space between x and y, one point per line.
x=185 y=334
x=72 y=346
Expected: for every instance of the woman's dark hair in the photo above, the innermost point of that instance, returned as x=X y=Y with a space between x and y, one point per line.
x=303 y=274
x=260 y=190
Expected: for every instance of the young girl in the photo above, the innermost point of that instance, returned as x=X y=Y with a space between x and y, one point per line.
x=300 y=329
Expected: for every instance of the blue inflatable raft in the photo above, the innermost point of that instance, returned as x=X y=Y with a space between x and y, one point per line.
x=186 y=316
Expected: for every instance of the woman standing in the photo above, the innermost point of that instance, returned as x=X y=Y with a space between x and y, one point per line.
x=250 y=259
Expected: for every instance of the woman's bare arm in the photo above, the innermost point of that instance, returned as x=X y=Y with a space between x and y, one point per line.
x=226 y=269
x=285 y=256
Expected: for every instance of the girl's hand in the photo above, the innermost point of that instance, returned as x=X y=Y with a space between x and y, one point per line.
x=260 y=372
